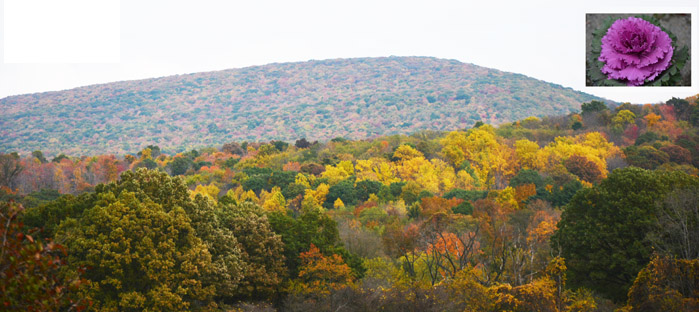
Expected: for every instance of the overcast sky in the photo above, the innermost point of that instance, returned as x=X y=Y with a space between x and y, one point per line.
x=61 y=44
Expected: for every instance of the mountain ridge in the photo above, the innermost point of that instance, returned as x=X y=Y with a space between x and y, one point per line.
x=273 y=64
x=319 y=99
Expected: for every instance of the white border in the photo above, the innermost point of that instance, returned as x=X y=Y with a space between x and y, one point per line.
x=668 y=92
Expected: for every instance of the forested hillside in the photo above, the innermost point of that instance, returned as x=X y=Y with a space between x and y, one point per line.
x=589 y=211
x=319 y=100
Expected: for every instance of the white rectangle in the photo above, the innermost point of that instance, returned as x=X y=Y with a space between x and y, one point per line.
x=61 y=31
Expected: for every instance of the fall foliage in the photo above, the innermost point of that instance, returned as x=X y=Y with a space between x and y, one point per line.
x=527 y=216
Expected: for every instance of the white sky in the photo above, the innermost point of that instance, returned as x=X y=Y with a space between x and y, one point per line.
x=46 y=46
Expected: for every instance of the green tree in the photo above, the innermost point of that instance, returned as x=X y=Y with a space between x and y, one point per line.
x=681 y=106
x=343 y=190
x=560 y=196
x=410 y=192
x=593 y=106
x=256 y=183
x=49 y=216
x=694 y=115
x=302 y=143
x=40 y=156
x=646 y=157
x=396 y=188
x=279 y=145
x=576 y=125
x=311 y=227
x=180 y=165
x=365 y=188
x=464 y=208
x=166 y=201
x=172 y=194
x=526 y=176
x=648 y=137
x=261 y=248
x=140 y=256
x=226 y=255
x=603 y=229
x=37 y=198
x=465 y=195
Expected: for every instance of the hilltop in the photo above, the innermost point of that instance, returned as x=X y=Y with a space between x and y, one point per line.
x=319 y=100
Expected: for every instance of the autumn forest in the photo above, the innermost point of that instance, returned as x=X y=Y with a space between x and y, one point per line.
x=595 y=210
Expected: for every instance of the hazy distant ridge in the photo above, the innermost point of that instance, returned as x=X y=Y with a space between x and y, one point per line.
x=319 y=100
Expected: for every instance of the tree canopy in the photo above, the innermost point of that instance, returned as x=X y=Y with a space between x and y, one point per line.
x=602 y=232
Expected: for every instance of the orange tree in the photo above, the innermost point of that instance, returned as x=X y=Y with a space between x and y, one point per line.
x=320 y=274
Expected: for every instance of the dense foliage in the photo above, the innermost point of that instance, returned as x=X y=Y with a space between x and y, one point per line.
x=603 y=230
x=582 y=212
x=354 y=98
x=29 y=269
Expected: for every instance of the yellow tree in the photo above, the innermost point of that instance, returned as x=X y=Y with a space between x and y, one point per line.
x=338 y=204
x=465 y=181
x=302 y=180
x=313 y=199
x=249 y=196
x=621 y=119
x=493 y=162
x=465 y=289
x=342 y=171
x=593 y=146
x=319 y=193
x=453 y=147
x=446 y=178
x=427 y=177
x=409 y=169
x=652 y=119
x=406 y=152
x=364 y=170
x=526 y=152
x=146 y=154
x=539 y=295
x=346 y=166
x=386 y=173
x=275 y=202
x=211 y=191
x=235 y=193
x=421 y=171
x=507 y=198
x=376 y=169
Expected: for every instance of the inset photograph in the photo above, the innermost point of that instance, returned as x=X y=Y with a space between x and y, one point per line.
x=638 y=50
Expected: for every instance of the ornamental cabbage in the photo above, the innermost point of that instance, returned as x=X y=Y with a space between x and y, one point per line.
x=635 y=51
